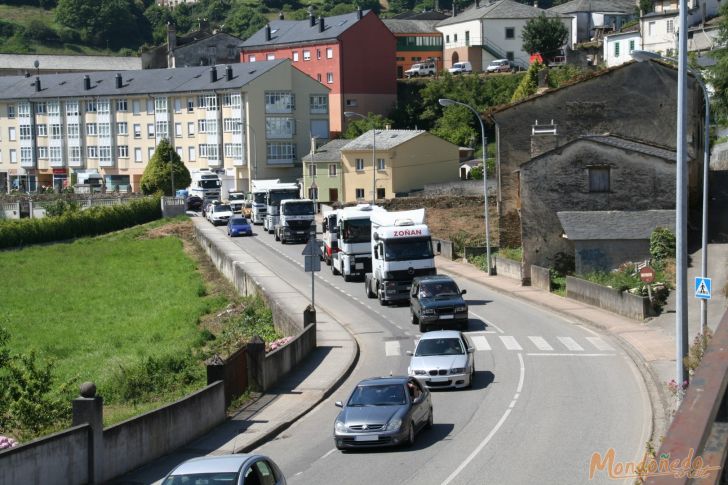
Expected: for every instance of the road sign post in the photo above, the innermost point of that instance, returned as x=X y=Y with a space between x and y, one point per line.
x=703 y=288
x=312 y=260
x=647 y=275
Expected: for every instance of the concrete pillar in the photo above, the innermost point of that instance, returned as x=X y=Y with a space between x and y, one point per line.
x=216 y=372
x=255 y=353
x=309 y=316
x=88 y=408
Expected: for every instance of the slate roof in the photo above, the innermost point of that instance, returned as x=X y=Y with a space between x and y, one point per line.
x=142 y=81
x=500 y=9
x=411 y=26
x=426 y=15
x=632 y=145
x=330 y=152
x=626 y=7
x=68 y=63
x=300 y=31
x=614 y=225
x=385 y=139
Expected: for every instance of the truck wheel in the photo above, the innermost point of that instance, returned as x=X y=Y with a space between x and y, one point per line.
x=347 y=277
x=334 y=271
x=423 y=328
x=368 y=286
x=278 y=238
x=415 y=320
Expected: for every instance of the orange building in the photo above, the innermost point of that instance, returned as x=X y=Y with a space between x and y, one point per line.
x=417 y=41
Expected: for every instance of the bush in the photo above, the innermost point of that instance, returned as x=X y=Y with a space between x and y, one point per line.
x=662 y=245
x=7 y=29
x=60 y=207
x=514 y=254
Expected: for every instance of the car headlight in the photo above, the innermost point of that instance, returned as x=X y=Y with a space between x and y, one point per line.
x=340 y=427
x=420 y=372
x=394 y=424
x=461 y=309
x=429 y=311
x=457 y=370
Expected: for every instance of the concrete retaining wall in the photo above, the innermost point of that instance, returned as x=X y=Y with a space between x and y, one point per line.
x=278 y=363
x=139 y=440
x=540 y=278
x=444 y=248
x=620 y=302
x=509 y=268
x=61 y=458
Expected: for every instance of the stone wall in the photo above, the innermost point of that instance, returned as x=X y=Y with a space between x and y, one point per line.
x=509 y=268
x=620 y=302
x=540 y=278
x=599 y=255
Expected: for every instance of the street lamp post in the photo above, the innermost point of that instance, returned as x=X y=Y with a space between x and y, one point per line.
x=349 y=114
x=641 y=56
x=450 y=102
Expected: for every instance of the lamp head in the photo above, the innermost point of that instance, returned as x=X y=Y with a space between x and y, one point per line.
x=445 y=102
x=349 y=114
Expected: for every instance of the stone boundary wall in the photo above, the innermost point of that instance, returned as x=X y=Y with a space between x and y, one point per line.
x=615 y=301
x=540 y=278
x=509 y=268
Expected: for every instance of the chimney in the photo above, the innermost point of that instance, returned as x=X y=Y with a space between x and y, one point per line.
x=311 y=19
x=544 y=138
x=321 y=24
x=280 y=15
x=119 y=82
x=37 y=83
x=267 y=32
x=535 y=3
x=213 y=74
x=171 y=37
x=454 y=9
x=229 y=72
x=86 y=82
x=477 y=3
x=359 y=13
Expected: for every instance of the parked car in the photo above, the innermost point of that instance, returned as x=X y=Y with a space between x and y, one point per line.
x=206 y=205
x=461 y=67
x=436 y=301
x=239 y=226
x=219 y=214
x=383 y=411
x=499 y=65
x=235 y=469
x=194 y=203
x=421 y=69
x=443 y=359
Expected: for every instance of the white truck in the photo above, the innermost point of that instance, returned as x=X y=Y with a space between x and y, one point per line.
x=237 y=201
x=401 y=249
x=205 y=184
x=329 y=236
x=274 y=194
x=296 y=221
x=354 y=257
x=257 y=198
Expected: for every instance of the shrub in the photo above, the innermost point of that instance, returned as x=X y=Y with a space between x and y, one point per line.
x=60 y=207
x=514 y=254
x=662 y=245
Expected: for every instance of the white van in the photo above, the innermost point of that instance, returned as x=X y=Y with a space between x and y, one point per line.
x=461 y=67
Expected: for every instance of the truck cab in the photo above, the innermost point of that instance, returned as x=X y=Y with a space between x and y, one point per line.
x=354 y=256
x=296 y=220
x=329 y=236
x=236 y=201
x=273 y=197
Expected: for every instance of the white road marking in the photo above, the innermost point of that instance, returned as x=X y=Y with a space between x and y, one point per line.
x=328 y=453
x=490 y=324
x=510 y=342
x=480 y=342
x=492 y=433
x=570 y=355
x=571 y=344
x=589 y=330
x=513 y=403
x=541 y=343
x=391 y=348
x=599 y=343
x=523 y=373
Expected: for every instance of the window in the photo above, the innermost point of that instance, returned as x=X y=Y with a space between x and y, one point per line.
x=359 y=193
x=42 y=152
x=651 y=28
x=510 y=33
x=329 y=77
x=24 y=110
x=329 y=53
x=71 y=108
x=150 y=153
x=295 y=56
x=26 y=154
x=359 y=164
x=233 y=150
x=509 y=55
x=191 y=154
x=631 y=45
x=616 y=49
x=318 y=53
x=211 y=102
x=190 y=105
x=270 y=57
x=306 y=55
x=190 y=128
x=280 y=151
x=319 y=104
x=179 y=151
x=74 y=154
x=332 y=170
x=136 y=107
x=380 y=164
x=212 y=152
x=467 y=37
x=92 y=151
x=73 y=130
x=105 y=129
x=150 y=130
x=232 y=100
x=11 y=111
x=103 y=106
x=231 y=125
x=279 y=127
x=137 y=130
x=105 y=153
x=279 y=102
x=122 y=151
x=56 y=131
x=41 y=108
x=92 y=129
x=178 y=130
x=11 y=133
x=311 y=170
x=122 y=105
x=455 y=37
x=670 y=26
x=202 y=126
x=202 y=149
x=318 y=77
x=13 y=156
x=91 y=106
x=25 y=132
x=122 y=128
x=42 y=130
x=352 y=102
x=54 y=108
x=137 y=154
x=56 y=154
x=162 y=129
x=177 y=105
x=447 y=39
x=251 y=58
x=160 y=105
x=598 y=179
x=150 y=106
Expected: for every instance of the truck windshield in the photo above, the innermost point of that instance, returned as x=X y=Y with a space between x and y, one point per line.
x=275 y=198
x=238 y=196
x=407 y=249
x=209 y=183
x=298 y=209
x=356 y=231
x=259 y=198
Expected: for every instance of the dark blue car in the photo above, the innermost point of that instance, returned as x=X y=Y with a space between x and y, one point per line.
x=239 y=226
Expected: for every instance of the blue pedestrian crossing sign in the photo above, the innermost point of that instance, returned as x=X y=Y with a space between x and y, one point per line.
x=702 y=288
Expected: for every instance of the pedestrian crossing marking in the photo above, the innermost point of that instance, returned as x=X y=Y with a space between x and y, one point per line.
x=571 y=344
x=510 y=342
x=599 y=343
x=541 y=343
x=480 y=342
x=391 y=348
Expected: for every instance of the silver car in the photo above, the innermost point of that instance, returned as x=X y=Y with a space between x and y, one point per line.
x=236 y=469
x=383 y=411
x=443 y=359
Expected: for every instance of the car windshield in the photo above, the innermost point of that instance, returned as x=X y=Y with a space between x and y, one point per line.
x=433 y=289
x=439 y=346
x=221 y=208
x=238 y=220
x=378 y=395
x=202 y=478
x=408 y=249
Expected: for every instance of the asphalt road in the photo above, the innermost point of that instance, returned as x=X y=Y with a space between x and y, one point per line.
x=548 y=393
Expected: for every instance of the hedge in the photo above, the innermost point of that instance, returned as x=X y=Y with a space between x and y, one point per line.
x=91 y=222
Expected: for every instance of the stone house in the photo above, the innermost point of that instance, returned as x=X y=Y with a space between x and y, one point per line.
x=633 y=100
x=202 y=47
x=564 y=191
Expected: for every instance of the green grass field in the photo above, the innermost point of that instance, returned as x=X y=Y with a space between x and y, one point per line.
x=97 y=304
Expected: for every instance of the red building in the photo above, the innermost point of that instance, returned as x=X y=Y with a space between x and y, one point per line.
x=353 y=54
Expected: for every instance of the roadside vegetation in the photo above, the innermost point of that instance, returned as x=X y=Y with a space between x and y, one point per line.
x=136 y=311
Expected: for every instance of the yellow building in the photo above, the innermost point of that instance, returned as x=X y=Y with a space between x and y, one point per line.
x=243 y=122
x=406 y=160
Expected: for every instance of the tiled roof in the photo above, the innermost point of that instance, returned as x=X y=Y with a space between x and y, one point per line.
x=625 y=7
x=500 y=9
x=411 y=26
x=146 y=81
x=69 y=63
x=300 y=31
x=384 y=140
x=614 y=225
x=330 y=152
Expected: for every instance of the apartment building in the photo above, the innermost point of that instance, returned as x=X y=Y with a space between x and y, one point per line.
x=243 y=121
x=417 y=41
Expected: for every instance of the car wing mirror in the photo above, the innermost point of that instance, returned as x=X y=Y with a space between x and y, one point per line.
x=471 y=350
x=409 y=352
x=339 y=404
x=462 y=292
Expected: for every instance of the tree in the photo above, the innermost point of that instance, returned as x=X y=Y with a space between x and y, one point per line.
x=108 y=23
x=529 y=82
x=157 y=176
x=358 y=126
x=717 y=74
x=544 y=35
x=243 y=21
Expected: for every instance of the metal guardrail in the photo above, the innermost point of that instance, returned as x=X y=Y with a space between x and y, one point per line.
x=696 y=445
